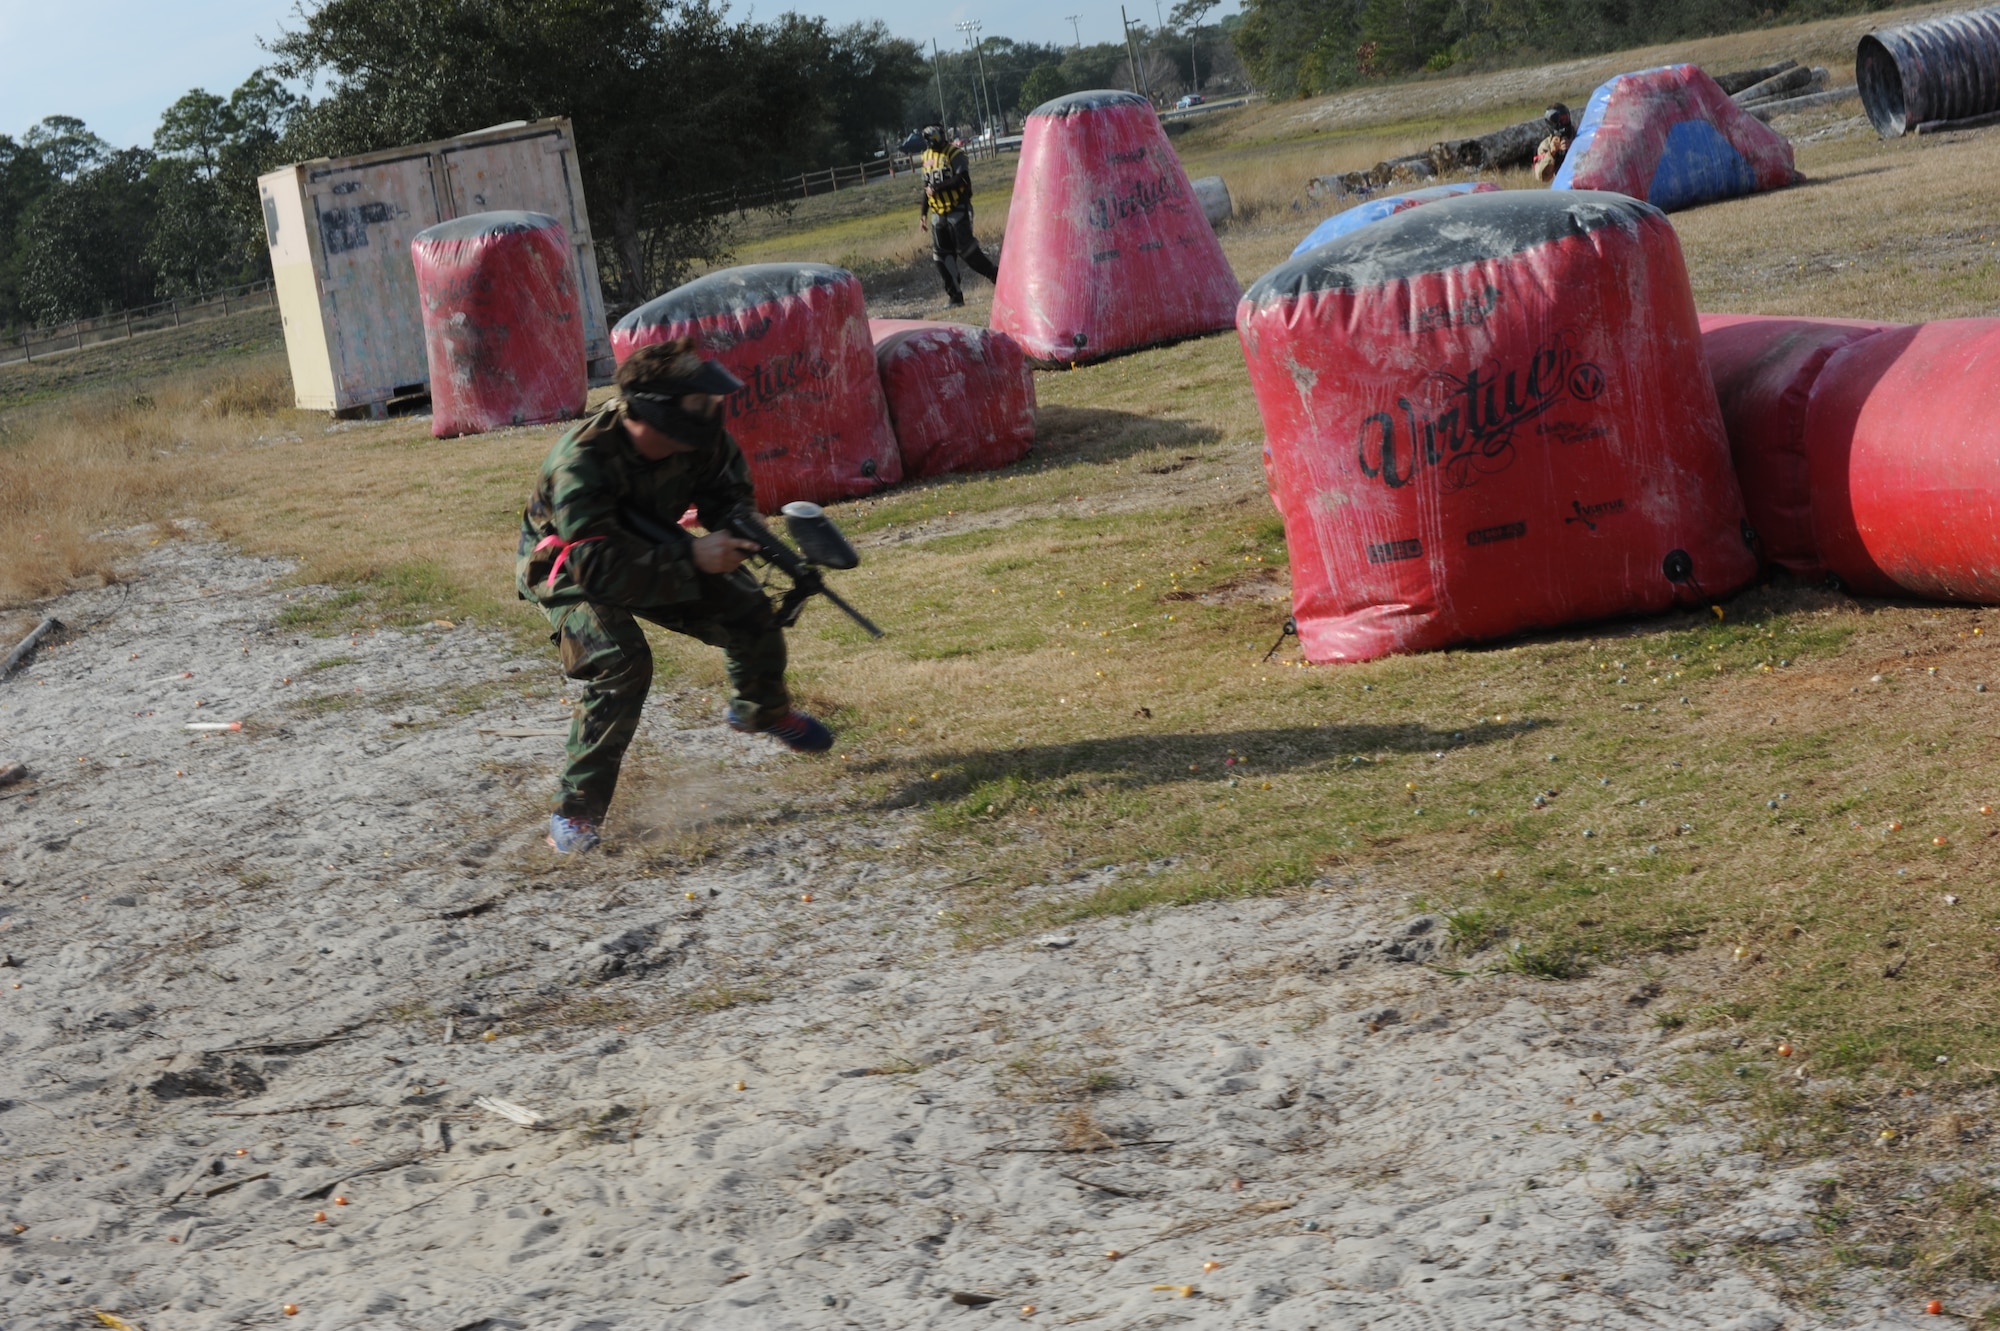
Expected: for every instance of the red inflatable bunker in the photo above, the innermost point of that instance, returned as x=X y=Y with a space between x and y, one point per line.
x=961 y=398
x=503 y=322
x=1902 y=446
x=1107 y=247
x=1489 y=415
x=810 y=416
x=1764 y=368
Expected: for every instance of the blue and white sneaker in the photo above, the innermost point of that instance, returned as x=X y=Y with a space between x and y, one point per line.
x=796 y=731
x=570 y=835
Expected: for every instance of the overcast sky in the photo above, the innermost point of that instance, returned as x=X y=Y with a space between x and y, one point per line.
x=116 y=64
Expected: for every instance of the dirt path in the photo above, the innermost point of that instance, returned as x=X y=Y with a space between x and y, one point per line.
x=249 y=975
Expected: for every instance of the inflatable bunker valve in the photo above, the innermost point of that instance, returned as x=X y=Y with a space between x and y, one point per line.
x=1361 y=214
x=1672 y=137
x=960 y=398
x=503 y=322
x=810 y=417
x=1490 y=415
x=1764 y=368
x=1108 y=249
x=1900 y=443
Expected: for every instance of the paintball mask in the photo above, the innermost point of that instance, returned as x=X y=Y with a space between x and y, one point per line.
x=1558 y=118
x=656 y=398
x=934 y=137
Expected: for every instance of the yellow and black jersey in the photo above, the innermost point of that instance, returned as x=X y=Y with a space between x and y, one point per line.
x=947 y=179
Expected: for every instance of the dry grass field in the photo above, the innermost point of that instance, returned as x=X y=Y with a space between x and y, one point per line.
x=1786 y=805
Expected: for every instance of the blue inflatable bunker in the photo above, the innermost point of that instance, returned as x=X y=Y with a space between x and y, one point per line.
x=1672 y=137
x=1361 y=214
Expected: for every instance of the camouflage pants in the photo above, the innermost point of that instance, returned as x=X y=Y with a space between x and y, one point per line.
x=605 y=650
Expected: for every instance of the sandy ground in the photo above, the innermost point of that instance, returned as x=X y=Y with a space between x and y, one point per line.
x=248 y=977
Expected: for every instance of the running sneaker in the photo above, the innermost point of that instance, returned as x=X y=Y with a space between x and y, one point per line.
x=569 y=835
x=796 y=731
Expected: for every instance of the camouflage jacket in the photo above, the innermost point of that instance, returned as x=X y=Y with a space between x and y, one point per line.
x=592 y=529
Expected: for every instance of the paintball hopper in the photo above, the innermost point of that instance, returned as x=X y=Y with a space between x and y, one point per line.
x=816 y=536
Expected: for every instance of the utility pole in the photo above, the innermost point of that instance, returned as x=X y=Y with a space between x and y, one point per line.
x=937 y=68
x=1075 y=21
x=1132 y=54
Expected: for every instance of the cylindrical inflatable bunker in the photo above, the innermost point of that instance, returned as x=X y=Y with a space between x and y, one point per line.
x=810 y=416
x=1108 y=249
x=1764 y=368
x=503 y=322
x=1900 y=442
x=960 y=398
x=1488 y=415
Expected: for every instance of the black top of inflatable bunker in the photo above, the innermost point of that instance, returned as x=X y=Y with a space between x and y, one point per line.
x=1445 y=235
x=1096 y=100
x=477 y=226
x=732 y=291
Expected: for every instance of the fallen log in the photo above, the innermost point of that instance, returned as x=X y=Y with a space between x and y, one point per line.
x=28 y=644
x=1766 y=110
x=1503 y=148
x=1795 y=77
x=1513 y=146
x=1737 y=81
x=1814 y=83
x=1964 y=122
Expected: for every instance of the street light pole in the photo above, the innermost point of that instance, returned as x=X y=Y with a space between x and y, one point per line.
x=966 y=30
x=971 y=29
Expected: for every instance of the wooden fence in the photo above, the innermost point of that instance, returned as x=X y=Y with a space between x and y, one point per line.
x=37 y=343
x=804 y=185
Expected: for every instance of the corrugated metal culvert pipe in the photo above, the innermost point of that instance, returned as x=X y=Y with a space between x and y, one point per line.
x=1941 y=69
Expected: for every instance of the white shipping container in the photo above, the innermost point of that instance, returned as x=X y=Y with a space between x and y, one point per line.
x=340 y=231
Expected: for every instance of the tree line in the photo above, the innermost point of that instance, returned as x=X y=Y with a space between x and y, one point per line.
x=1186 y=54
x=1307 y=47
x=671 y=98
x=668 y=97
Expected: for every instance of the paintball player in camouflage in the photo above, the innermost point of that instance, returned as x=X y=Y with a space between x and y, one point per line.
x=947 y=210
x=1549 y=154
x=601 y=549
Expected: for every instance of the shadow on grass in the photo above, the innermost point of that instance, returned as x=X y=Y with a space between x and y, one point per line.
x=1133 y=762
x=1086 y=436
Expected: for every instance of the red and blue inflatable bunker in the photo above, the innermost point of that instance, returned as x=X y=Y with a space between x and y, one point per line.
x=1108 y=249
x=1672 y=137
x=1361 y=214
x=1764 y=368
x=1901 y=442
x=810 y=416
x=503 y=322
x=1489 y=415
x=960 y=398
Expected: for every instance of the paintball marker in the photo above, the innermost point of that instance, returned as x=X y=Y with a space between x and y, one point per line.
x=820 y=546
